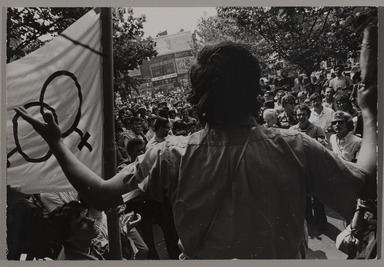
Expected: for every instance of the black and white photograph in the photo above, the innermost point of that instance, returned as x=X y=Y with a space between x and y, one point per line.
x=192 y=133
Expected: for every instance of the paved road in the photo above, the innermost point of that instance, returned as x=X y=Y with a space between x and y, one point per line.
x=321 y=244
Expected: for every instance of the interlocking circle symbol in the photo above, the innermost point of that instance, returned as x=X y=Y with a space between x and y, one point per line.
x=42 y=94
x=16 y=136
x=43 y=105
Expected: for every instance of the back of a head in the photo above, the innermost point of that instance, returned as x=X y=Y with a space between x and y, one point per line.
x=160 y=122
x=315 y=96
x=287 y=99
x=180 y=128
x=225 y=83
x=132 y=143
x=269 y=114
x=62 y=216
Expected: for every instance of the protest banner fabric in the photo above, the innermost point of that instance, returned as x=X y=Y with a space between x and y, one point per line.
x=64 y=77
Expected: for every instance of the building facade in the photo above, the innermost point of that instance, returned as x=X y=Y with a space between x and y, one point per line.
x=168 y=70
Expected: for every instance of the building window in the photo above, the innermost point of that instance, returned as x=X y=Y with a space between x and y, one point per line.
x=162 y=70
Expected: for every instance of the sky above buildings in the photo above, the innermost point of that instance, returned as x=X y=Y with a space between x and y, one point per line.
x=172 y=19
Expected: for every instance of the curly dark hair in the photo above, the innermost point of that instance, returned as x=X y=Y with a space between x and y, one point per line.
x=62 y=216
x=225 y=83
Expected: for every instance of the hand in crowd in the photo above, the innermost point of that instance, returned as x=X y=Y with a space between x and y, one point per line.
x=48 y=129
x=130 y=220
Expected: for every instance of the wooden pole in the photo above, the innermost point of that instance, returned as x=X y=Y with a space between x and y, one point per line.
x=109 y=128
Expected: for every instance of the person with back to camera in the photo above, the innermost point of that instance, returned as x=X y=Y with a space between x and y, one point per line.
x=229 y=200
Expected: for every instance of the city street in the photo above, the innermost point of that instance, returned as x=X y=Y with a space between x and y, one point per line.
x=322 y=245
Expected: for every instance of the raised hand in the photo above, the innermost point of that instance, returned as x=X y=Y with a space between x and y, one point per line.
x=48 y=129
x=130 y=220
x=367 y=93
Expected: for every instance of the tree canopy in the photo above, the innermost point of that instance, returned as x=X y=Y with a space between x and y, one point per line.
x=26 y=27
x=301 y=36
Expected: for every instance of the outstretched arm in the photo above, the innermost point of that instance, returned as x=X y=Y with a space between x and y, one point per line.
x=367 y=101
x=101 y=194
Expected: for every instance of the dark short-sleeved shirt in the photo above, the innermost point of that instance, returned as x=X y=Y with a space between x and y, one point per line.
x=256 y=212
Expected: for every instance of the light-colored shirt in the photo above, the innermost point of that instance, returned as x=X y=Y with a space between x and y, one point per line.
x=55 y=199
x=323 y=120
x=256 y=212
x=150 y=133
x=340 y=82
x=329 y=105
x=348 y=147
x=154 y=141
x=127 y=135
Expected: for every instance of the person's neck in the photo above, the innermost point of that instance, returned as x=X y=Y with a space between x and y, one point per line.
x=289 y=112
x=319 y=109
x=94 y=214
x=159 y=137
x=341 y=135
x=304 y=126
x=241 y=122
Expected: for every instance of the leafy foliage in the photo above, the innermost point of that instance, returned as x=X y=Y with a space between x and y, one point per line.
x=301 y=36
x=26 y=26
x=216 y=29
x=129 y=48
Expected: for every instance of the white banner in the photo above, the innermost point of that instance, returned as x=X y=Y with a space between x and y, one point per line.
x=65 y=77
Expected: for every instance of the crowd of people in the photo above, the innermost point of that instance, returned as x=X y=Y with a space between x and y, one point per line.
x=230 y=172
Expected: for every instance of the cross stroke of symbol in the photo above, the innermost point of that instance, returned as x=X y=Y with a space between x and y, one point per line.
x=83 y=137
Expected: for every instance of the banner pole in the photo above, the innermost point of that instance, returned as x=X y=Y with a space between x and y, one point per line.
x=109 y=154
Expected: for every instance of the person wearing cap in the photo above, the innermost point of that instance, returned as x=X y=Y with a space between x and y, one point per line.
x=344 y=143
x=237 y=190
x=340 y=83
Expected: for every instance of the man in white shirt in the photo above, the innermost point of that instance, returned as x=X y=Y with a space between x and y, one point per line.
x=320 y=116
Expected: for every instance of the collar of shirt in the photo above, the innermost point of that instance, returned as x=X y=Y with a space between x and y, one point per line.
x=245 y=122
x=309 y=126
x=341 y=141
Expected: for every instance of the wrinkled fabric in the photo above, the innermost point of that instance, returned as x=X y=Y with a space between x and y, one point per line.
x=348 y=148
x=255 y=213
x=323 y=120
